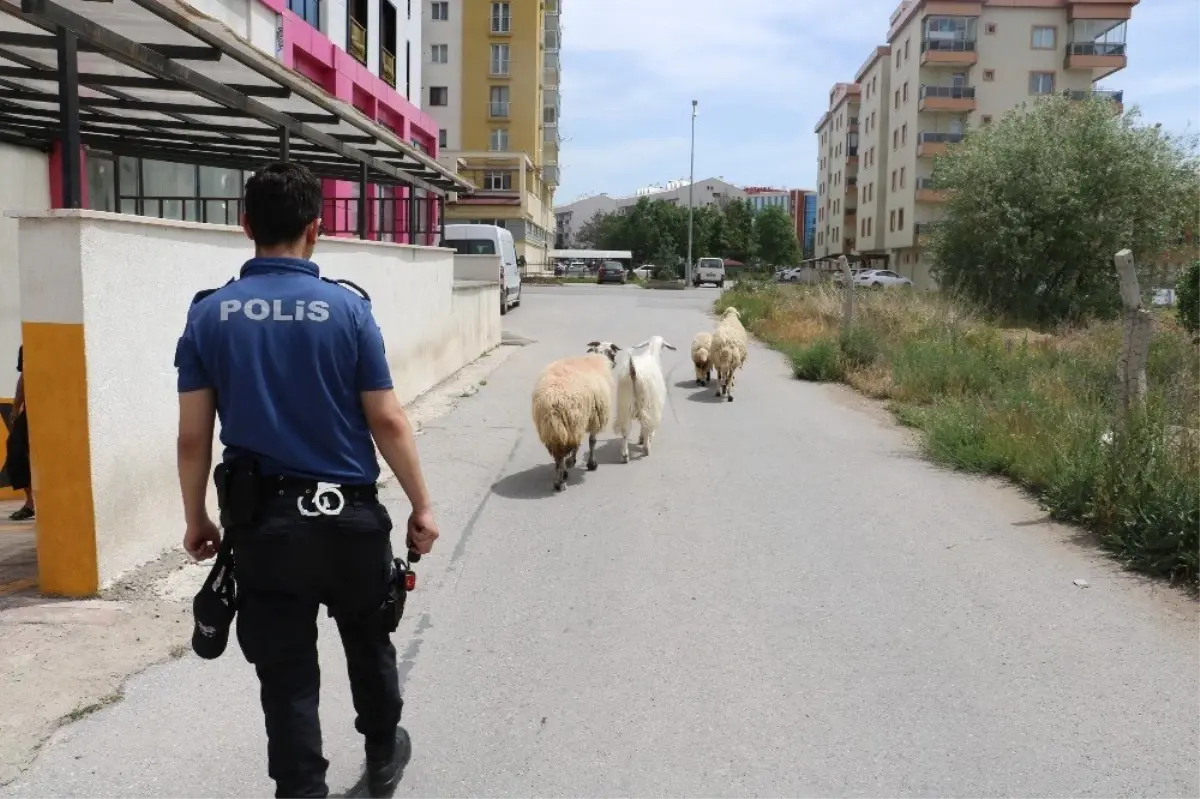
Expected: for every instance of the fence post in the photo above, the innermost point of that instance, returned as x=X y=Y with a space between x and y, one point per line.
x=848 y=296
x=1135 y=339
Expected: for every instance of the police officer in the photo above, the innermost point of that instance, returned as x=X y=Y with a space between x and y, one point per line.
x=294 y=366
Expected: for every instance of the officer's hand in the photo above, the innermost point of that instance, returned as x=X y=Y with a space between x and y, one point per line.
x=422 y=531
x=202 y=540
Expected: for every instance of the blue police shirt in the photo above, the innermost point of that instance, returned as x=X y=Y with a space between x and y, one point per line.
x=287 y=355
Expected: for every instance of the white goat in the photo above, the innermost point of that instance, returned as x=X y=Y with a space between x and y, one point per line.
x=729 y=346
x=572 y=399
x=641 y=393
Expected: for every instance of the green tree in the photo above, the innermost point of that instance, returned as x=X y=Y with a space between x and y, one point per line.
x=738 y=231
x=604 y=232
x=1041 y=200
x=1187 y=297
x=775 y=237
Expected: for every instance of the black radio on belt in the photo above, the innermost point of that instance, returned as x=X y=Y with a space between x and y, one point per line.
x=239 y=487
x=404 y=579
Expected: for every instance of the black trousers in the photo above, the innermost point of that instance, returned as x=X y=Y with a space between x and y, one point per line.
x=286 y=567
x=17 y=455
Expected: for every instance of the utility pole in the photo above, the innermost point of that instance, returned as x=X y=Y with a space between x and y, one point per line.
x=691 y=183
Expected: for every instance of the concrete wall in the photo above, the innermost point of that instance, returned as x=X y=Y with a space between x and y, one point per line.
x=484 y=268
x=104 y=298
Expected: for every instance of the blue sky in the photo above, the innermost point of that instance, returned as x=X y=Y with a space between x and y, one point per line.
x=762 y=73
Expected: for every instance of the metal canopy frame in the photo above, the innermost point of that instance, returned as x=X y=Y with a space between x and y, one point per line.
x=238 y=108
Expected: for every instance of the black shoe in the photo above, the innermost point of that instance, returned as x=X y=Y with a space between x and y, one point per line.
x=21 y=515
x=386 y=762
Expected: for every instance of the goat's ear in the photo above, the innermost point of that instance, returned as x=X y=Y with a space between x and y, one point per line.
x=615 y=347
x=639 y=346
x=668 y=345
x=593 y=344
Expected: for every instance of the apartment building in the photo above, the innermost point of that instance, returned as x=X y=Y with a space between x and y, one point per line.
x=837 y=172
x=761 y=197
x=804 y=215
x=490 y=78
x=949 y=66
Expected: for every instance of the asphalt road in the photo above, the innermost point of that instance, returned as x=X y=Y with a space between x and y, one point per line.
x=783 y=600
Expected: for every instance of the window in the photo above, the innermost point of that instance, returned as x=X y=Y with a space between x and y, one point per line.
x=307 y=10
x=500 y=59
x=900 y=219
x=498 y=141
x=897 y=58
x=897 y=101
x=501 y=17
x=989 y=75
x=1043 y=37
x=408 y=70
x=906 y=41
x=439 y=95
x=497 y=181
x=1041 y=82
x=893 y=180
x=906 y=91
x=387 y=43
x=892 y=220
x=904 y=133
x=986 y=119
x=356 y=39
x=498 y=101
x=901 y=177
x=443 y=137
x=441 y=10
x=990 y=28
x=439 y=54
x=895 y=138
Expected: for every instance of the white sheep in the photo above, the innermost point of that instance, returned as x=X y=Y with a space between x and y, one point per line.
x=641 y=393
x=729 y=346
x=702 y=357
x=572 y=399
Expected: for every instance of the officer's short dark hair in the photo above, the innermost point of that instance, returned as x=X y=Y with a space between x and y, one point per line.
x=281 y=200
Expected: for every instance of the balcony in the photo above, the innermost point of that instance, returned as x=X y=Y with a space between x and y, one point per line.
x=960 y=99
x=553 y=41
x=852 y=154
x=931 y=144
x=358 y=41
x=551 y=61
x=550 y=175
x=387 y=67
x=929 y=192
x=921 y=231
x=498 y=109
x=852 y=124
x=551 y=136
x=1114 y=95
x=1102 y=58
x=948 y=52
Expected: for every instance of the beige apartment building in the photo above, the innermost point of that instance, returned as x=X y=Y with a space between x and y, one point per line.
x=947 y=67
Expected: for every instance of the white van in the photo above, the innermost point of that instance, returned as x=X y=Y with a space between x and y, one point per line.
x=709 y=270
x=490 y=240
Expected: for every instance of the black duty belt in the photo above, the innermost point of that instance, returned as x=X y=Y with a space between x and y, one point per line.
x=299 y=487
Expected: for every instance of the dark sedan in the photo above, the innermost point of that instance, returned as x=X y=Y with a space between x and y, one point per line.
x=611 y=272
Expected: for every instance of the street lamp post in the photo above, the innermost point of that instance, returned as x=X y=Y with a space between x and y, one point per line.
x=691 y=181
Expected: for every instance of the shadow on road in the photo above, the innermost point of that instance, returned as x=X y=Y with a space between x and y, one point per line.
x=537 y=482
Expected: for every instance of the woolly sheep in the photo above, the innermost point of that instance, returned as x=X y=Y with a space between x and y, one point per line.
x=572 y=399
x=641 y=393
x=702 y=358
x=729 y=347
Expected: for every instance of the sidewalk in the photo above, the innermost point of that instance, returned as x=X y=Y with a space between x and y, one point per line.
x=63 y=660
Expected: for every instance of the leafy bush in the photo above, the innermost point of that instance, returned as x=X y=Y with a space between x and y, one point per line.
x=1187 y=297
x=820 y=361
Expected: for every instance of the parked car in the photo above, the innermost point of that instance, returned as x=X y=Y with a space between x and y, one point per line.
x=611 y=272
x=791 y=275
x=575 y=270
x=878 y=278
x=644 y=271
x=1163 y=298
x=468 y=239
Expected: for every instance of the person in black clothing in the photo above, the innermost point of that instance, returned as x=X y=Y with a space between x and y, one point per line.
x=293 y=364
x=17 y=458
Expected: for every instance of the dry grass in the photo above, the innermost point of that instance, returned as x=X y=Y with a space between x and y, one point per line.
x=1039 y=407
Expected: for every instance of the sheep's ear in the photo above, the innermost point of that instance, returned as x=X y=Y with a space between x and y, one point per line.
x=668 y=345
x=639 y=346
x=593 y=343
x=615 y=347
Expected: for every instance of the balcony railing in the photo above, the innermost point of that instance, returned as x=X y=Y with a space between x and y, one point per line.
x=851 y=182
x=928 y=184
x=852 y=121
x=1096 y=48
x=948 y=46
x=553 y=40
x=852 y=152
x=387 y=67
x=925 y=228
x=939 y=138
x=550 y=175
x=498 y=109
x=1116 y=95
x=358 y=41
x=948 y=92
